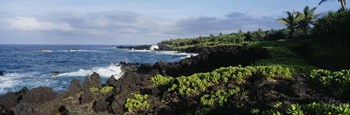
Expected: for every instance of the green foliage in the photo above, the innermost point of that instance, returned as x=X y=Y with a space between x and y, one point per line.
x=294 y=109
x=330 y=109
x=337 y=82
x=161 y=80
x=334 y=27
x=255 y=111
x=203 y=111
x=277 y=104
x=219 y=97
x=271 y=112
x=199 y=82
x=106 y=89
x=94 y=90
x=137 y=103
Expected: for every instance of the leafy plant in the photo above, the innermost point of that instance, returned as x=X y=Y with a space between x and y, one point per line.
x=161 y=80
x=220 y=97
x=94 y=90
x=294 y=109
x=106 y=89
x=277 y=104
x=137 y=103
x=255 y=111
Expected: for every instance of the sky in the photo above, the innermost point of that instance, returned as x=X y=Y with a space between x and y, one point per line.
x=134 y=22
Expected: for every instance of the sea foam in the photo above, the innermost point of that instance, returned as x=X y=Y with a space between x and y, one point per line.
x=102 y=71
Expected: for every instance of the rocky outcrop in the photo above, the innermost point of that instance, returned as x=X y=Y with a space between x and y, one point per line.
x=208 y=60
x=92 y=81
x=100 y=106
x=74 y=88
x=136 y=47
x=39 y=95
x=24 y=108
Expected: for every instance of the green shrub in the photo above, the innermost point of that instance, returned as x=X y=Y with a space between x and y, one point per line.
x=219 y=97
x=330 y=109
x=137 y=103
x=294 y=109
x=106 y=89
x=94 y=90
x=161 y=80
x=255 y=111
x=199 y=82
x=336 y=82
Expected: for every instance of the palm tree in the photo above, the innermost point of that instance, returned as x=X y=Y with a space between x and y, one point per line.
x=342 y=2
x=291 y=21
x=308 y=17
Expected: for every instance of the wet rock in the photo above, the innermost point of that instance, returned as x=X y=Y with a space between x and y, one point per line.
x=24 y=109
x=1 y=73
x=39 y=95
x=100 y=106
x=55 y=73
x=74 y=88
x=22 y=91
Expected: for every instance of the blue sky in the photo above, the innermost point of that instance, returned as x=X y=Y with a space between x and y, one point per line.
x=138 y=21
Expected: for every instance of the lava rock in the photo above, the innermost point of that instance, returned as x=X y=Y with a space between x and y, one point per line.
x=39 y=95
x=92 y=81
x=111 y=81
x=100 y=106
x=8 y=100
x=24 y=109
x=86 y=97
x=116 y=106
x=74 y=88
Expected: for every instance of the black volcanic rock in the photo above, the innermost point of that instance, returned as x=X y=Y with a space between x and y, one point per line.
x=111 y=81
x=92 y=81
x=100 y=106
x=8 y=100
x=24 y=108
x=74 y=88
x=208 y=60
x=136 y=47
x=39 y=95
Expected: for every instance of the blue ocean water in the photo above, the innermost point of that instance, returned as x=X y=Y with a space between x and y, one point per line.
x=33 y=65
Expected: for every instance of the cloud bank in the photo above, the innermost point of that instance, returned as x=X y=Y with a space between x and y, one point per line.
x=126 y=27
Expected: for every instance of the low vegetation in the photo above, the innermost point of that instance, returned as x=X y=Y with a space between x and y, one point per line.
x=137 y=103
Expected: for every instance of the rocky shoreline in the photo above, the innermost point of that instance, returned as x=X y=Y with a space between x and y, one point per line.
x=84 y=99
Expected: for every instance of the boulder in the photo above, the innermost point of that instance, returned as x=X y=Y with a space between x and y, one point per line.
x=74 y=88
x=111 y=81
x=92 y=81
x=8 y=100
x=100 y=106
x=39 y=95
x=116 y=107
x=23 y=108
x=86 y=97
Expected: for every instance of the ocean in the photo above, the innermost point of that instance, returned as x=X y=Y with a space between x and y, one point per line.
x=35 y=65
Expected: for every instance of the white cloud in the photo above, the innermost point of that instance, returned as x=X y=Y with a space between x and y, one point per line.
x=32 y=24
